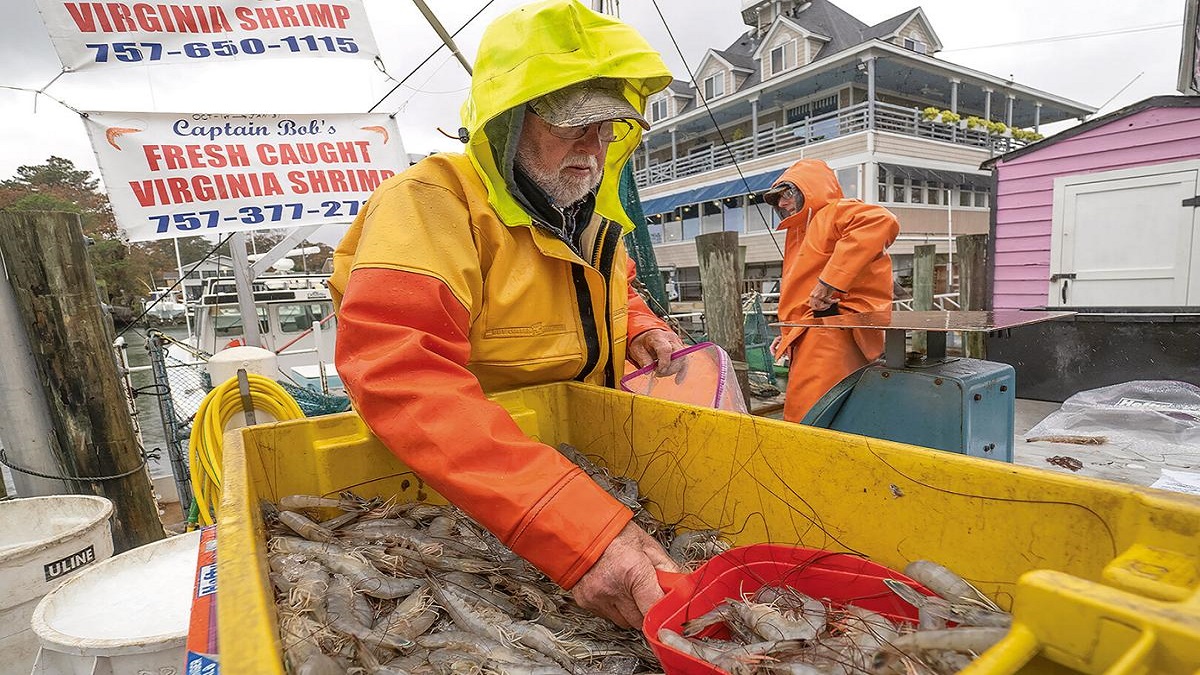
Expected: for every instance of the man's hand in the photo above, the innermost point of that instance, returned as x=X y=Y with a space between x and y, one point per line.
x=823 y=296
x=656 y=344
x=622 y=585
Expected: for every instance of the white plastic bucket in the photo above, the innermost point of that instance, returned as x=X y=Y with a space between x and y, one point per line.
x=43 y=541
x=126 y=616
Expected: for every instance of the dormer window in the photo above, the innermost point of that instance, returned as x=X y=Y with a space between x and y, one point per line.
x=714 y=86
x=658 y=110
x=783 y=57
x=915 y=45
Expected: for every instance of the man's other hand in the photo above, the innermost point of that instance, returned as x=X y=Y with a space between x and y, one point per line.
x=823 y=296
x=622 y=585
x=653 y=345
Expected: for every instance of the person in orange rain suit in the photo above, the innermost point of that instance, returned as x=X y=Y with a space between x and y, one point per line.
x=503 y=267
x=834 y=261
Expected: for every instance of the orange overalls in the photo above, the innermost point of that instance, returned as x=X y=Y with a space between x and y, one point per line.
x=843 y=243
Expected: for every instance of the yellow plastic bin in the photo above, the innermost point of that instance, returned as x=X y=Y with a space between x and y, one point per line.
x=1101 y=577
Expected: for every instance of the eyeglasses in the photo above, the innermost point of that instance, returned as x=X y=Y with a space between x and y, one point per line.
x=609 y=130
x=779 y=192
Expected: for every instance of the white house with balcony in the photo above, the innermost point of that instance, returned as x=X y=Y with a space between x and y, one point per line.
x=808 y=80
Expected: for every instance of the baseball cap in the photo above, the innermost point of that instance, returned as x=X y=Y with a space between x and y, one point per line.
x=773 y=195
x=586 y=103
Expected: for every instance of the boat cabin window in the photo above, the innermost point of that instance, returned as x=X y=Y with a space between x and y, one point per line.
x=228 y=321
x=296 y=318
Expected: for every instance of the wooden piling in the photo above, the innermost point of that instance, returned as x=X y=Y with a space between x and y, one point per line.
x=57 y=299
x=924 y=260
x=721 y=282
x=972 y=285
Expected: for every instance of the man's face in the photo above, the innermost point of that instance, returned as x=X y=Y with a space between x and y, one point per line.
x=789 y=202
x=567 y=169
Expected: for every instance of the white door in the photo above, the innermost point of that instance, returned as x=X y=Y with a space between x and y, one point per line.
x=1126 y=239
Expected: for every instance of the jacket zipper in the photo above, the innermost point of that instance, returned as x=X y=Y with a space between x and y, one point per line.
x=606 y=252
x=603 y=255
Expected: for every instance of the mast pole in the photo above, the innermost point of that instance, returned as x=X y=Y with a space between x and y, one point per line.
x=441 y=31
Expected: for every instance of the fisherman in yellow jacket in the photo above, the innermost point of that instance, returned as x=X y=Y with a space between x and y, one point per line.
x=504 y=267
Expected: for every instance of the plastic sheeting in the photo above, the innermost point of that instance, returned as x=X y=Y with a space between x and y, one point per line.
x=706 y=379
x=1147 y=415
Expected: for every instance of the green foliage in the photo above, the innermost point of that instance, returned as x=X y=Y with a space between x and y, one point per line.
x=41 y=202
x=930 y=113
x=123 y=270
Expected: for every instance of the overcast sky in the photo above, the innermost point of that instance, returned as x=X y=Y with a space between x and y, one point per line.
x=1090 y=70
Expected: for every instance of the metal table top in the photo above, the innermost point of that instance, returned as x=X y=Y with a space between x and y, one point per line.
x=931 y=321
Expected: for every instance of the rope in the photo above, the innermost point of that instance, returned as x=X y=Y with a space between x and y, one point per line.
x=206 y=443
x=79 y=479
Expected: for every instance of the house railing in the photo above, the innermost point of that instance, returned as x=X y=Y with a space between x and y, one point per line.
x=841 y=122
x=942 y=302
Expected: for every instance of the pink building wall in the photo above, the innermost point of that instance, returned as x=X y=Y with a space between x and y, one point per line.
x=1025 y=190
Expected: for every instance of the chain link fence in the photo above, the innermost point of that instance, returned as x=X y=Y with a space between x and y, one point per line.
x=181 y=382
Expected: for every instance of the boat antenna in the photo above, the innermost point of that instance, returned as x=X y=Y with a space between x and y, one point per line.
x=441 y=31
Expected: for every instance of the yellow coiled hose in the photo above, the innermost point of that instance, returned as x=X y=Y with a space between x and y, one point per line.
x=208 y=430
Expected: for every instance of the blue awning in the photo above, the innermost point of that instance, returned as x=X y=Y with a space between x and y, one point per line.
x=730 y=188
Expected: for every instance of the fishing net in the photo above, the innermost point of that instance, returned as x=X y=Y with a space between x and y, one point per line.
x=314 y=403
x=639 y=246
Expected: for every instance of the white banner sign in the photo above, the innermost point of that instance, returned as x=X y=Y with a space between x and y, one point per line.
x=178 y=175
x=91 y=35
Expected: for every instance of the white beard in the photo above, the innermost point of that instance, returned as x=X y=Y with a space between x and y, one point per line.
x=562 y=189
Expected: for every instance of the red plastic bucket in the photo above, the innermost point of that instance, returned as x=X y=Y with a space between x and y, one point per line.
x=839 y=579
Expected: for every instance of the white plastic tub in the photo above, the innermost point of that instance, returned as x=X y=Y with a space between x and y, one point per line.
x=43 y=541
x=125 y=616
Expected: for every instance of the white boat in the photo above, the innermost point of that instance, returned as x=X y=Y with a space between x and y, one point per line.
x=296 y=321
x=165 y=306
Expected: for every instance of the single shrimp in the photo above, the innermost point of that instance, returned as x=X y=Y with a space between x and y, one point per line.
x=342 y=618
x=722 y=613
x=371 y=663
x=491 y=623
x=771 y=623
x=298 y=637
x=338 y=522
x=446 y=563
x=308 y=582
x=493 y=650
x=473 y=584
x=947 y=584
x=365 y=576
x=696 y=545
x=411 y=617
x=297 y=502
x=306 y=527
x=934 y=646
x=940 y=609
x=456 y=662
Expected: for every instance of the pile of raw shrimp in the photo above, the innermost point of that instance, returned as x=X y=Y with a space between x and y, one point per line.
x=778 y=629
x=388 y=588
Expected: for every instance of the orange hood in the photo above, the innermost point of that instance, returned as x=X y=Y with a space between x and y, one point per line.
x=816 y=182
